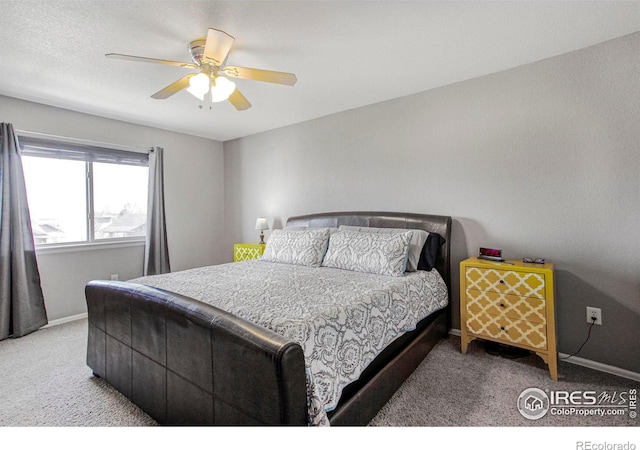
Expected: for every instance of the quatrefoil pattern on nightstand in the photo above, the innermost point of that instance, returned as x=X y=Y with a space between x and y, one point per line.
x=506 y=282
x=516 y=331
x=245 y=253
x=516 y=319
x=507 y=305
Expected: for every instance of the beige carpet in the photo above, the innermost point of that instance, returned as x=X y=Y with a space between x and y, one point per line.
x=44 y=382
x=478 y=389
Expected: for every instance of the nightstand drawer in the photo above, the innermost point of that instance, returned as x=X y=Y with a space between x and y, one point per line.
x=522 y=284
x=496 y=304
x=521 y=332
x=247 y=251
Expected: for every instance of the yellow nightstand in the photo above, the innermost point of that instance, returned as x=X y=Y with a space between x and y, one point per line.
x=509 y=303
x=246 y=251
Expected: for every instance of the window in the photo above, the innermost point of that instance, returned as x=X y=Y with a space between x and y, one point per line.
x=83 y=194
x=120 y=208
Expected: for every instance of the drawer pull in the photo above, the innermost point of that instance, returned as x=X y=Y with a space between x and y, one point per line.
x=502 y=328
x=501 y=305
x=501 y=281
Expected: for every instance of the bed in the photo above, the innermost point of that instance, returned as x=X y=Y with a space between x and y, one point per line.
x=166 y=344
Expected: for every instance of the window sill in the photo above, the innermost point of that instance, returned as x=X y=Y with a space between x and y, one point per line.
x=86 y=247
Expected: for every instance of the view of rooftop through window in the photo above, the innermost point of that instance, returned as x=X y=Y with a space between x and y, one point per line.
x=60 y=194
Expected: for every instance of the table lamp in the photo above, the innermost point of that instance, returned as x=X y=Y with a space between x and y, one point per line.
x=261 y=224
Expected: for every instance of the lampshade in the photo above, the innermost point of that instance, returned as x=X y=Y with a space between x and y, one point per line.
x=261 y=224
x=199 y=85
x=222 y=89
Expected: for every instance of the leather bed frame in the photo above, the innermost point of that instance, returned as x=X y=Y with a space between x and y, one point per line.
x=185 y=362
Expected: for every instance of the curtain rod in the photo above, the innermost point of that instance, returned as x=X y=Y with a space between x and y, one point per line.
x=130 y=148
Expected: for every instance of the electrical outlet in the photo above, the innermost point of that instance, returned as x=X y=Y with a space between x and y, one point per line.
x=114 y=276
x=594 y=313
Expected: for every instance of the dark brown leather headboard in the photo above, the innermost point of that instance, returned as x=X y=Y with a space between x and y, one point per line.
x=427 y=222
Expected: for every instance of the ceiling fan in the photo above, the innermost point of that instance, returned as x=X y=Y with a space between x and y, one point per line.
x=209 y=56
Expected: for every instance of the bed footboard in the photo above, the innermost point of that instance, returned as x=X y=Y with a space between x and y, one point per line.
x=184 y=362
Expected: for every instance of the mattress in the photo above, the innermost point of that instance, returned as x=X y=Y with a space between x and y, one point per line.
x=342 y=319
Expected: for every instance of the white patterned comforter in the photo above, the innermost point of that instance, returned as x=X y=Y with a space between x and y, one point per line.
x=342 y=319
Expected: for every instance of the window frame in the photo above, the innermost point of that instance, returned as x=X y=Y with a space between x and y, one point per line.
x=94 y=153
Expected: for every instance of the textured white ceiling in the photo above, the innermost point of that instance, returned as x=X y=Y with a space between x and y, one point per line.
x=346 y=54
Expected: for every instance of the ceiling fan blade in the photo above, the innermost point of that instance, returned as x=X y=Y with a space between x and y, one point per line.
x=217 y=46
x=173 y=87
x=239 y=101
x=151 y=60
x=261 y=75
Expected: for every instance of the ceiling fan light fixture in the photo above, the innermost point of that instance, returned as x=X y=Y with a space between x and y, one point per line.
x=222 y=89
x=199 y=86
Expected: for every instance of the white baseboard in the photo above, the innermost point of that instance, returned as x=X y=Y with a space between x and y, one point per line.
x=624 y=373
x=53 y=323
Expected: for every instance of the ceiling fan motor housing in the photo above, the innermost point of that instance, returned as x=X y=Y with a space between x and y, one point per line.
x=196 y=50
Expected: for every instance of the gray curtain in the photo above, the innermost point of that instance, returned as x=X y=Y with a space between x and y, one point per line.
x=22 y=308
x=156 y=254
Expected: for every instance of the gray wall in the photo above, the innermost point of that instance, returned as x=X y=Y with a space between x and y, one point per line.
x=541 y=160
x=194 y=196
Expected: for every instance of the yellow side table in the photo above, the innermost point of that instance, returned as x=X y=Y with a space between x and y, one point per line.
x=511 y=303
x=248 y=250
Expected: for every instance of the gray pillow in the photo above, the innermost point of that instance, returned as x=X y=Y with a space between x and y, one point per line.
x=377 y=253
x=301 y=247
x=418 y=238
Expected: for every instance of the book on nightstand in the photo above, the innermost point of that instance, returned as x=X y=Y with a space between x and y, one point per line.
x=491 y=258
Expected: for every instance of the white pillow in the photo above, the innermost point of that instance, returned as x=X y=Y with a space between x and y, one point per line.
x=301 y=247
x=416 y=244
x=377 y=253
